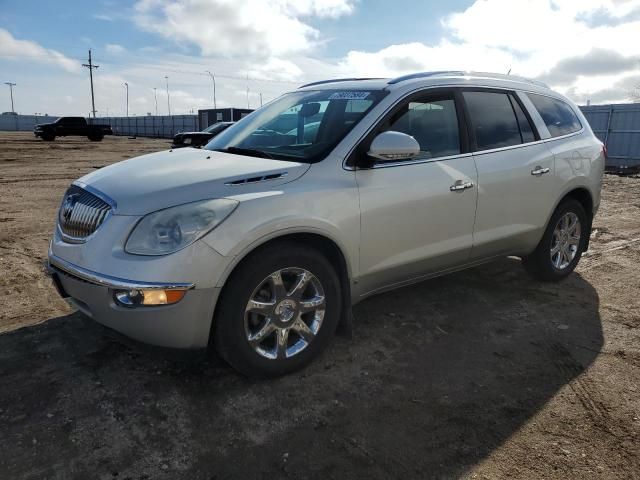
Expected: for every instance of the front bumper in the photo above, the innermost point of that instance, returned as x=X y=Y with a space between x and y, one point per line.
x=185 y=324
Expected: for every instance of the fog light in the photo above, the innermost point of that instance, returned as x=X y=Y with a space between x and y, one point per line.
x=132 y=298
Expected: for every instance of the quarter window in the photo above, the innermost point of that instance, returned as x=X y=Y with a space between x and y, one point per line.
x=434 y=125
x=559 y=117
x=494 y=120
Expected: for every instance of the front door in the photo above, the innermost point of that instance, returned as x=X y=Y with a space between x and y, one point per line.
x=417 y=215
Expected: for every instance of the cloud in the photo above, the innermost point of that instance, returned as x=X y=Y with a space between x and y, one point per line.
x=411 y=57
x=549 y=39
x=598 y=61
x=114 y=49
x=603 y=17
x=623 y=90
x=26 y=50
x=275 y=69
x=256 y=28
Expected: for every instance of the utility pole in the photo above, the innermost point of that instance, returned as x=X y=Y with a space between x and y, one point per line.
x=213 y=79
x=11 y=85
x=248 y=106
x=155 y=97
x=168 y=98
x=126 y=85
x=91 y=66
x=260 y=98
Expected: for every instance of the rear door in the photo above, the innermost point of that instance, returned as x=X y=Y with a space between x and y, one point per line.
x=515 y=174
x=417 y=215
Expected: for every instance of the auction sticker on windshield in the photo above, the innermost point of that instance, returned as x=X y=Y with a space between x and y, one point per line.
x=349 y=96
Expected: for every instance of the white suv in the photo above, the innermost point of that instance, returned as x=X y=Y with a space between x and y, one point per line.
x=261 y=242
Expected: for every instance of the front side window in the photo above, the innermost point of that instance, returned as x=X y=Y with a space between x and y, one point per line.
x=300 y=126
x=433 y=123
x=493 y=120
x=559 y=117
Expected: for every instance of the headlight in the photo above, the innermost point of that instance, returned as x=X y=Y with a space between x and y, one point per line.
x=167 y=231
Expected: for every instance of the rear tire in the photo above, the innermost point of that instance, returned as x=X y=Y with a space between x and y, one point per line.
x=95 y=138
x=562 y=244
x=256 y=309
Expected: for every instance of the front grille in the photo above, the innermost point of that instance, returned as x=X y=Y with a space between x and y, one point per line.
x=81 y=214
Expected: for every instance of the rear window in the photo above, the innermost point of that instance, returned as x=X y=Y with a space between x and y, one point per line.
x=559 y=117
x=493 y=120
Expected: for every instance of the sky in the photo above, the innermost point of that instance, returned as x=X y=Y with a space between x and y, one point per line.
x=586 y=49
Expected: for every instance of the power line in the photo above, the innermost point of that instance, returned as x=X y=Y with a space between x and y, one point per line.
x=91 y=66
x=169 y=70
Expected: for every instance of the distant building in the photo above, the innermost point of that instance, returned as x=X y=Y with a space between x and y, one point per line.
x=210 y=116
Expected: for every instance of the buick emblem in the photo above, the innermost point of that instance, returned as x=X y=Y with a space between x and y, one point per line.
x=67 y=206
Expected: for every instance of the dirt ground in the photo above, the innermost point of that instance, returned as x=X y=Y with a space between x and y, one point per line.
x=482 y=374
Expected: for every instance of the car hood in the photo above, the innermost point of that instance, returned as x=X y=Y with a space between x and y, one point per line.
x=182 y=134
x=164 y=179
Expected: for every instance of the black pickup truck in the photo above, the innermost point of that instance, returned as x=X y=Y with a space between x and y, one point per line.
x=199 y=139
x=71 y=126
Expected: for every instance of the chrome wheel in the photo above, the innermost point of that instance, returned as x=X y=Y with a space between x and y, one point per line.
x=565 y=241
x=284 y=313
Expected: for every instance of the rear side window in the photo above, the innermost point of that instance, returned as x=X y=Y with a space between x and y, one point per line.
x=493 y=119
x=559 y=117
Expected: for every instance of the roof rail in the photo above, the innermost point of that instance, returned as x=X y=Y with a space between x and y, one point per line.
x=441 y=73
x=322 y=82
x=458 y=73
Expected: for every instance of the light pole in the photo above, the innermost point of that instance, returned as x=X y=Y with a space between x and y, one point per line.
x=126 y=85
x=155 y=97
x=168 y=98
x=11 y=85
x=213 y=79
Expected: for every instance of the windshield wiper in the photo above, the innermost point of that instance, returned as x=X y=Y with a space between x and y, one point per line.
x=248 y=151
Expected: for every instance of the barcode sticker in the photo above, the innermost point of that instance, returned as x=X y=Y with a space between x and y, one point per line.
x=349 y=96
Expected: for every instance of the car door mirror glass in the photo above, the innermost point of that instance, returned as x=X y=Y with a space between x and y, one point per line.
x=392 y=146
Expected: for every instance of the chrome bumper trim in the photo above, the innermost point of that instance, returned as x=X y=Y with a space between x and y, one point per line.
x=57 y=263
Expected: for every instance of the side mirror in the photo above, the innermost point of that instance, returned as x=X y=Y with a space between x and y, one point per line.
x=390 y=146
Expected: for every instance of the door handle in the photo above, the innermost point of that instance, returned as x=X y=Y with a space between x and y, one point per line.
x=539 y=171
x=460 y=185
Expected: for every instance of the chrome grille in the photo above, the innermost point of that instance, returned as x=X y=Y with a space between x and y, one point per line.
x=81 y=213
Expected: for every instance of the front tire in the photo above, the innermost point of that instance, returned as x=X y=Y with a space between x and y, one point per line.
x=278 y=310
x=562 y=244
x=48 y=137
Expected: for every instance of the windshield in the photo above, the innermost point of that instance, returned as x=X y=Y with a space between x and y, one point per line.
x=299 y=126
x=216 y=127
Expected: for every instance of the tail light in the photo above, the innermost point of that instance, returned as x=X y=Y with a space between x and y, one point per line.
x=604 y=151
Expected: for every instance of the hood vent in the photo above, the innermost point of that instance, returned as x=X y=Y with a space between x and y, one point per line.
x=258 y=179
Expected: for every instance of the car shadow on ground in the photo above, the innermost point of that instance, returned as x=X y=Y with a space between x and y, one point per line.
x=437 y=376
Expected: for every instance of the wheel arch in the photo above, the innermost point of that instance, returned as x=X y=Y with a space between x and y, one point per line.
x=316 y=239
x=584 y=197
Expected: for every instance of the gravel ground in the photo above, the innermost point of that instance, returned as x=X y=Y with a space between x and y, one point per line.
x=481 y=374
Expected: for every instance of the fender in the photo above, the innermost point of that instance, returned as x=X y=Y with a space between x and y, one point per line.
x=244 y=249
